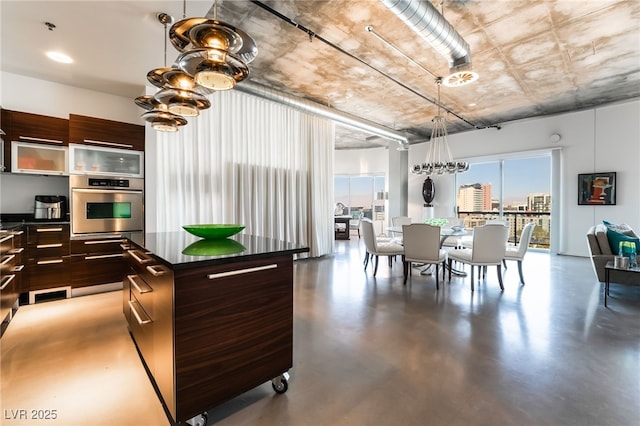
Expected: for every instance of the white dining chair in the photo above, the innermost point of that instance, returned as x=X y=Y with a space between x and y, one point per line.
x=377 y=248
x=517 y=253
x=488 y=248
x=422 y=244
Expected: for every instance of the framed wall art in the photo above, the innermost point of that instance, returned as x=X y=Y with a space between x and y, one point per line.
x=597 y=189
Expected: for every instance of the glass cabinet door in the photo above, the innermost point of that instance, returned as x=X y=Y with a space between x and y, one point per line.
x=38 y=158
x=84 y=159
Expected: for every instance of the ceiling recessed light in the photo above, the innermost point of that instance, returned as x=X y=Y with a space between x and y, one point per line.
x=472 y=104
x=59 y=57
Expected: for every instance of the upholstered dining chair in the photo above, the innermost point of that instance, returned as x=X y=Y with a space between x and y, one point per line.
x=377 y=248
x=488 y=248
x=422 y=244
x=467 y=240
x=517 y=253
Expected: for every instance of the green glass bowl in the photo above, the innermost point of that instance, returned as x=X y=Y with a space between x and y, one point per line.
x=218 y=247
x=213 y=231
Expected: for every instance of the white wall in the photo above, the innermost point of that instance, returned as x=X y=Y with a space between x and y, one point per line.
x=35 y=96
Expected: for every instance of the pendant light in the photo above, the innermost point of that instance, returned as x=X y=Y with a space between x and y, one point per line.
x=158 y=113
x=213 y=52
x=439 y=160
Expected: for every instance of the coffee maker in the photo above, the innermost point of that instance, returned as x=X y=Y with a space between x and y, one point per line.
x=50 y=207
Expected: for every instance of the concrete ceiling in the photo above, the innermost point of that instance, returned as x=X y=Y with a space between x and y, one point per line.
x=534 y=57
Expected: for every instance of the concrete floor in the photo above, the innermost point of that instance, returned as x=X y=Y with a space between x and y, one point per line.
x=367 y=351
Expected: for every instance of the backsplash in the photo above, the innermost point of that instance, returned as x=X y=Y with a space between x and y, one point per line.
x=17 y=192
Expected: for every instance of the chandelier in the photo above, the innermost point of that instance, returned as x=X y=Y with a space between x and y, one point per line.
x=439 y=160
x=213 y=56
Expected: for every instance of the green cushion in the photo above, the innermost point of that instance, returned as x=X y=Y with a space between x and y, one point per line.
x=615 y=238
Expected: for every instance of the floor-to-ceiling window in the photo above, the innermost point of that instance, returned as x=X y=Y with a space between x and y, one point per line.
x=516 y=189
x=361 y=195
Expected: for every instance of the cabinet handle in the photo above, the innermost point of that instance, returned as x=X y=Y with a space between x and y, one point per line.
x=8 y=237
x=137 y=315
x=125 y=246
x=7 y=259
x=242 y=271
x=31 y=138
x=88 y=243
x=18 y=268
x=103 y=256
x=18 y=232
x=17 y=250
x=49 y=230
x=49 y=262
x=137 y=287
x=6 y=280
x=124 y=145
x=138 y=258
x=154 y=271
x=49 y=245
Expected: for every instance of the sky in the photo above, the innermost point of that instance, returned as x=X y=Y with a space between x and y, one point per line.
x=521 y=177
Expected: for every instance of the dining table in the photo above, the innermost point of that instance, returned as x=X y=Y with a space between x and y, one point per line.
x=444 y=234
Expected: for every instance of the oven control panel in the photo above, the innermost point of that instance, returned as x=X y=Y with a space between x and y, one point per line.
x=119 y=183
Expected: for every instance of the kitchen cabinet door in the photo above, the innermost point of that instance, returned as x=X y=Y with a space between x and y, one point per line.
x=107 y=133
x=37 y=130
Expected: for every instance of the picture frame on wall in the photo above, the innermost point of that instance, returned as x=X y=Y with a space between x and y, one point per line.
x=597 y=189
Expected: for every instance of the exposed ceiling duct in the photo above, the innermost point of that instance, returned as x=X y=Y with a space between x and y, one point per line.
x=314 y=108
x=425 y=20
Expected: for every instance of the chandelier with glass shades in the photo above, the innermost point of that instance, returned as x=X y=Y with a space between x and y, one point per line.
x=213 y=57
x=439 y=160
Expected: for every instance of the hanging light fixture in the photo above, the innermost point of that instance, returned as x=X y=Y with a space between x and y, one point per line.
x=213 y=52
x=166 y=107
x=439 y=160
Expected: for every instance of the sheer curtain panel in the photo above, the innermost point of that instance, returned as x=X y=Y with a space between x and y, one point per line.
x=253 y=162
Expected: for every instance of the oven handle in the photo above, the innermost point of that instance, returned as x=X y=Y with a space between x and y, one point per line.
x=108 y=191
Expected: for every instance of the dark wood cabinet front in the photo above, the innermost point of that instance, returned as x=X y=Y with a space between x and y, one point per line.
x=96 y=261
x=48 y=263
x=33 y=128
x=107 y=133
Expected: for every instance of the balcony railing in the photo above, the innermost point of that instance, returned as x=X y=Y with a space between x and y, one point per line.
x=517 y=220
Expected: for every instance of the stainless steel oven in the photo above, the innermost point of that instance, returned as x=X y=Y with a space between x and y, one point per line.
x=101 y=204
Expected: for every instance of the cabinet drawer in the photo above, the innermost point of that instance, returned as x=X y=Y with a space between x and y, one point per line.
x=48 y=273
x=48 y=234
x=41 y=251
x=142 y=292
x=103 y=245
x=8 y=294
x=146 y=266
x=141 y=327
x=94 y=269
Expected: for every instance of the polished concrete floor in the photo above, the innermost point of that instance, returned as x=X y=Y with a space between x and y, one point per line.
x=367 y=351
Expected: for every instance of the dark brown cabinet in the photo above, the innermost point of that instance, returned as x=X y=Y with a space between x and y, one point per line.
x=33 y=128
x=48 y=256
x=107 y=133
x=11 y=268
x=209 y=331
x=96 y=261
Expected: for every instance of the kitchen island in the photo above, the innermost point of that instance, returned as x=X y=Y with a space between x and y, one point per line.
x=211 y=319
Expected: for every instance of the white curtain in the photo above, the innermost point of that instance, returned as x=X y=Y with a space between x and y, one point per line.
x=253 y=162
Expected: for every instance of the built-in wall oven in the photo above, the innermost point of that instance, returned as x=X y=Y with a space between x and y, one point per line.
x=101 y=204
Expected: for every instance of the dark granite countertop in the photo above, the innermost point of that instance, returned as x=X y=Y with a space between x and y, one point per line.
x=14 y=220
x=181 y=250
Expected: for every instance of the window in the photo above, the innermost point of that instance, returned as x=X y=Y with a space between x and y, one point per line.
x=515 y=189
x=360 y=193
